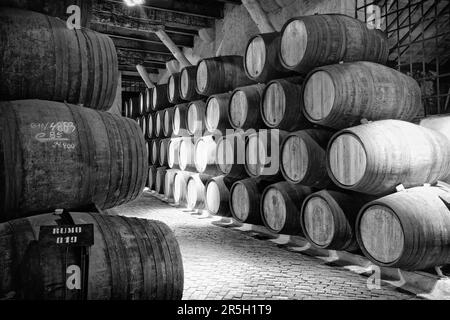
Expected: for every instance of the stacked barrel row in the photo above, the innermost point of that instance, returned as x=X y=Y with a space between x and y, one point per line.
x=64 y=151
x=323 y=138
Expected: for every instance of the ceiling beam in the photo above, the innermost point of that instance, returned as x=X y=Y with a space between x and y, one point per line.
x=141 y=55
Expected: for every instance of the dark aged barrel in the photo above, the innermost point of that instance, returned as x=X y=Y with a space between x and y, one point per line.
x=205 y=155
x=159 y=97
x=407 y=230
x=243 y=111
x=77 y=66
x=134 y=107
x=125 y=109
x=313 y=41
x=159 y=123
x=173 y=153
x=131 y=258
x=245 y=200
x=195 y=117
x=328 y=219
x=376 y=157
x=216 y=114
x=169 y=183
x=151 y=177
x=163 y=149
x=180 y=187
x=188 y=83
x=281 y=206
x=261 y=59
x=339 y=96
x=173 y=88
x=168 y=121
x=154 y=146
x=282 y=105
x=186 y=154
x=160 y=178
x=218 y=195
x=220 y=74
x=57 y=155
x=196 y=191
x=230 y=155
x=150 y=122
x=304 y=157
x=179 y=124
x=262 y=153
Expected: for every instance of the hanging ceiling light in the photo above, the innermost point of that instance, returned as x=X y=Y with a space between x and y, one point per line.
x=132 y=3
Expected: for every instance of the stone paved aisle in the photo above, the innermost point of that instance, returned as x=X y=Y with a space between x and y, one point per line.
x=221 y=263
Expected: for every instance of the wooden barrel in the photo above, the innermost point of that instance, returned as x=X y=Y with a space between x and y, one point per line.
x=57 y=155
x=169 y=184
x=173 y=153
x=313 y=41
x=218 y=195
x=328 y=219
x=131 y=259
x=216 y=113
x=304 y=158
x=230 y=155
x=139 y=120
x=186 y=154
x=196 y=191
x=205 y=155
x=180 y=188
x=261 y=59
x=154 y=147
x=262 y=153
x=151 y=181
x=134 y=107
x=77 y=66
x=149 y=151
x=168 y=121
x=179 y=124
x=163 y=150
x=407 y=230
x=150 y=122
x=125 y=109
x=173 y=88
x=243 y=111
x=195 y=118
x=245 y=200
x=142 y=104
x=148 y=100
x=160 y=179
x=143 y=125
x=220 y=75
x=188 y=83
x=375 y=158
x=281 y=206
x=159 y=97
x=159 y=123
x=339 y=96
x=282 y=105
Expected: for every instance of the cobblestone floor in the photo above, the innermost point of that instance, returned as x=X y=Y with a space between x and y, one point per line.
x=221 y=263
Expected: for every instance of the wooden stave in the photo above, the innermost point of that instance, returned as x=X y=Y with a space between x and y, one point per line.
x=253 y=94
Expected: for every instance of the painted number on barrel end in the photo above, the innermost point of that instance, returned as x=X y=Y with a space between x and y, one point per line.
x=73 y=281
x=74 y=21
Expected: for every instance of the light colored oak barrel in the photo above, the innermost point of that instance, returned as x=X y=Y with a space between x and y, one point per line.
x=173 y=153
x=150 y=125
x=134 y=107
x=169 y=184
x=261 y=59
x=151 y=181
x=216 y=113
x=58 y=64
x=218 y=195
x=173 y=88
x=196 y=191
x=180 y=187
x=205 y=155
x=304 y=157
x=313 y=41
x=131 y=259
x=188 y=83
x=195 y=118
x=375 y=158
x=179 y=124
x=159 y=97
x=407 y=230
x=160 y=179
x=159 y=123
x=57 y=155
x=220 y=75
x=340 y=96
x=245 y=200
x=154 y=147
x=262 y=153
x=147 y=100
x=230 y=155
x=328 y=219
x=186 y=154
x=168 y=121
x=243 y=110
x=281 y=206
x=282 y=105
x=163 y=150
